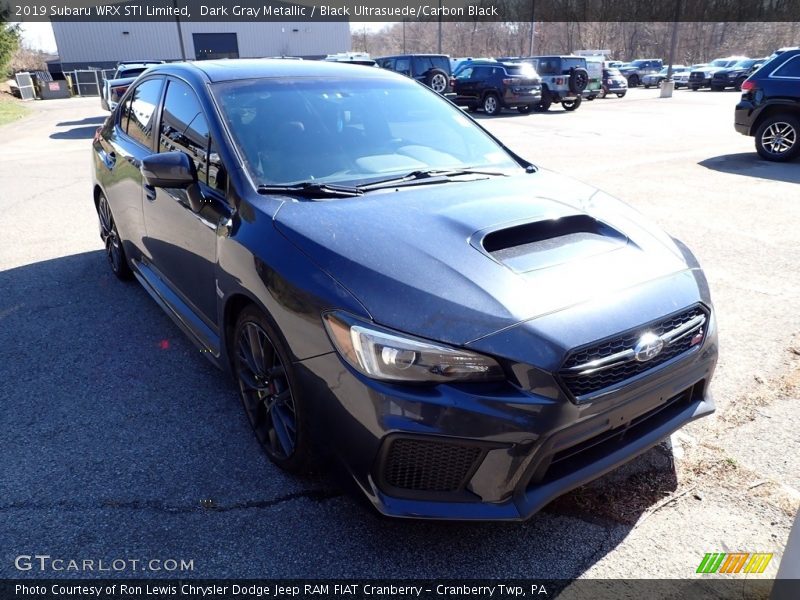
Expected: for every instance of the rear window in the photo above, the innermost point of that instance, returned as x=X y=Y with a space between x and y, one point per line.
x=521 y=70
x=789 y=69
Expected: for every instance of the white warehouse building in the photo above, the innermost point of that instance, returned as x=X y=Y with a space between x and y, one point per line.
x=102 y=45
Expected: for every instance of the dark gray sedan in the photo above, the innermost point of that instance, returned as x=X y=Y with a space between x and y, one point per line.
x=392 y=288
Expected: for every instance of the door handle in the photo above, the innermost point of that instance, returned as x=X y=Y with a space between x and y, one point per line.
x=149 y=192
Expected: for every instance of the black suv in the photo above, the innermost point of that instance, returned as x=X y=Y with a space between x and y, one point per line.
x=431 y=69
x=770 y=107
x=734 y=76
x=493 y=86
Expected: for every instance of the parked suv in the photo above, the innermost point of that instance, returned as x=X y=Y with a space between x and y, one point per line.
x=493 y=86
x=636 y=70
x=770 y=107
x=564 y=79
x=734 y=76
x=431 y=69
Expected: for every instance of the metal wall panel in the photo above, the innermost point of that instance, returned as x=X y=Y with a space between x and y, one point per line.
x=101 y=43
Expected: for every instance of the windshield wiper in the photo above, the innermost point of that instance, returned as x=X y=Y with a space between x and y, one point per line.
x=426 y=176
x=312 y=189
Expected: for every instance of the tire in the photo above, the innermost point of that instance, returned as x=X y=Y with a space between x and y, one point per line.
x=491 y=105
x=603 y=91
x=437 y=80
x=472 y=108
x=578 y=80
x=647 y=87
x=269 y=392
x=573 y=105
x=524 y=110
x=695 y=88
x=777 y=138
x=590 y=98
x=622 y=95
x=544 y=103
x=633 y=81
x=115 y=251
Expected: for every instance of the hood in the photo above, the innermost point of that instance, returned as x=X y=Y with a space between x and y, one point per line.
x=460 y=260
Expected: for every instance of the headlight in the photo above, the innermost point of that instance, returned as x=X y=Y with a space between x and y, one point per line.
x=391 y=356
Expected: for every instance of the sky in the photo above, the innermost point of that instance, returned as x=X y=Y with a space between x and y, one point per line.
x=39 y=36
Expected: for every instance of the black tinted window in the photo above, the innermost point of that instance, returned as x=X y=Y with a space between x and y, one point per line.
x=138 y=119
x=422 y=64
x=441 y=62
x=402 y=65
x=184 y=127
x=789 y=69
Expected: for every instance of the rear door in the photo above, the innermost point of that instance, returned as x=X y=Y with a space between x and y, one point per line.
x=182 y=242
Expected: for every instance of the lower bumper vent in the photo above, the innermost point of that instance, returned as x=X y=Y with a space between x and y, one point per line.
x=429 y=466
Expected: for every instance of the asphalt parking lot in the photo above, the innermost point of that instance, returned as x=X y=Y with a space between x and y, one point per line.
x=122 y=442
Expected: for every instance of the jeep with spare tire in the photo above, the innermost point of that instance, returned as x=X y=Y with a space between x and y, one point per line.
x=564 y=80
x=431 y=69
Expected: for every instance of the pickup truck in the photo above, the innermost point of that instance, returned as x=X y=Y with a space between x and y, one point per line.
x=126 y=73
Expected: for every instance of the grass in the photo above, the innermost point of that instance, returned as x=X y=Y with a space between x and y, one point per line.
x=11 y=109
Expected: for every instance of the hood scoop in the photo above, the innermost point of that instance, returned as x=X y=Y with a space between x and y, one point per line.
x=543 y=244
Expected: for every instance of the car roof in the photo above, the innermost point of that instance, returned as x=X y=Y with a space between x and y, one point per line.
x=415 y=54
x=257 y=68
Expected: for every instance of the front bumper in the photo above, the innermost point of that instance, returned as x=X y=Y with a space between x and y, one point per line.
x=493 y=451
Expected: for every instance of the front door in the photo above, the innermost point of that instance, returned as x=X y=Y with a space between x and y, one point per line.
x=181 y=241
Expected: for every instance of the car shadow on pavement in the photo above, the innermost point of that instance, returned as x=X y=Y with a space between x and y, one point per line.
x=76 y=133
x=751 y=165
x=119 y=434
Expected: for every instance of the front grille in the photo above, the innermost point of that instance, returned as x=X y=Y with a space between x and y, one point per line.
x=696 y=77
x=582 y=384
x=429 y=466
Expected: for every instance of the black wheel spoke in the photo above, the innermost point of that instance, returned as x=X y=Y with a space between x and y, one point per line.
x=266 y=392
x=281 y=428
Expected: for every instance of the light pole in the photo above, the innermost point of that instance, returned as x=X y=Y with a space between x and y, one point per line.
x=533 y=28
x=440 y=27
x=180 y=33
x=667 y=86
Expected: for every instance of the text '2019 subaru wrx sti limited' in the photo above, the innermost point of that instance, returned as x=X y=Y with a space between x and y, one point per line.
x=389 y=285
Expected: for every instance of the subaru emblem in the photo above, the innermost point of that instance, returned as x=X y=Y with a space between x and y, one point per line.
x=648 y=347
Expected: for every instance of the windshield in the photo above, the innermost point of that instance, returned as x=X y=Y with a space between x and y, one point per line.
x=336 y=130
x=613 y=73
x=746 y=64
x=722 y=62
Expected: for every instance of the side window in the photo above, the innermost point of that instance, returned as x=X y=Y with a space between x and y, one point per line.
x=143 y=104
x=465 y=73
x=184 y=127
x=789 y=69
x=402 y=65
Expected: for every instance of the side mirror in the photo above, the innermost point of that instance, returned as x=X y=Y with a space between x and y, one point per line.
x=173 y=170
x=169 y=170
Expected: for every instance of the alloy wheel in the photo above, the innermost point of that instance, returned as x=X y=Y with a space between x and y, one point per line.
x=490 y=105
x=439 y=83
x=779 y=138
x=110 y=237
x=266 y=393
